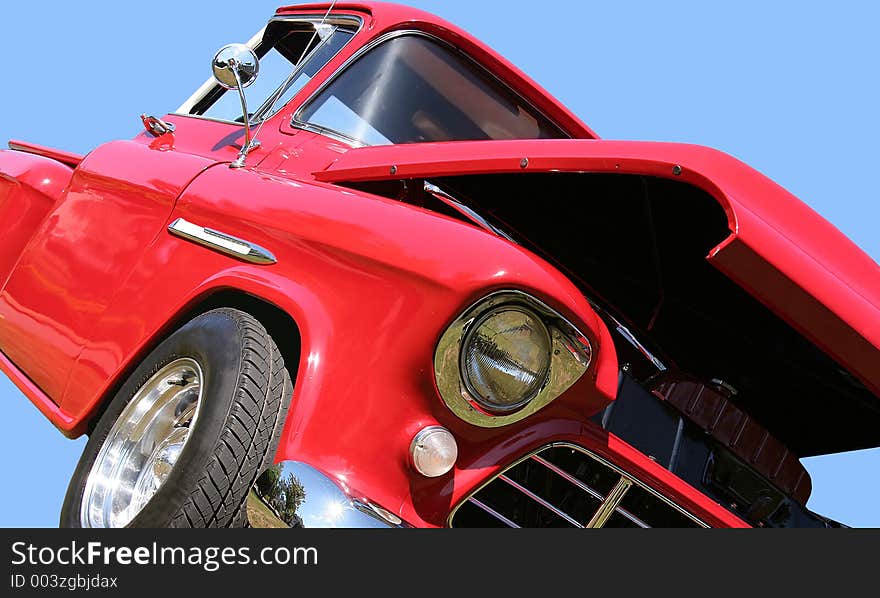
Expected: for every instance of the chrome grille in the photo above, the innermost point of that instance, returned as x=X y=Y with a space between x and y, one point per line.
x=563 y=485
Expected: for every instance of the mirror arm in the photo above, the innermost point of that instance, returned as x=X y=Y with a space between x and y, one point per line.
x=248 y=143
x=242 y=64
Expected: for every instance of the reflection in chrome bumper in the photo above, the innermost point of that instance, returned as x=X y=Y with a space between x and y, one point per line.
x=302 y=496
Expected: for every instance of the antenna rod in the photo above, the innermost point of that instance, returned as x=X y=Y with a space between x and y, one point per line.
x=280 y=91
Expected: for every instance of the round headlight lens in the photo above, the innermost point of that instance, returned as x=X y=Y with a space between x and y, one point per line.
x=505 y=358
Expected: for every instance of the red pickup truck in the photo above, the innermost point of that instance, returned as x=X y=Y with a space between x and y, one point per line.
x=371 y=274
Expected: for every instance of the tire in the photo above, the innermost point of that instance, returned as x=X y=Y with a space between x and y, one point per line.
x=229 y=361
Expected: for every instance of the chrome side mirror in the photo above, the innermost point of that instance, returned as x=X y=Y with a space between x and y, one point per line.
x=236 y=66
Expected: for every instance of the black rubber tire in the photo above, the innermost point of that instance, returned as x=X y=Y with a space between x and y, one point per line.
x=246 y=392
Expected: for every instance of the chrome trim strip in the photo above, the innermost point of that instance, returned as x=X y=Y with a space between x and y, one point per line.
x=492 y=512
x=542 y=502
x=299 y=124
x=609 y=505
x=226 y=244
x=463 y=209
x=329 y=133
x=631 y=339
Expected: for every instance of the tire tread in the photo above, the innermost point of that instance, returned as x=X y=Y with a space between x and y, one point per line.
x=247 y=444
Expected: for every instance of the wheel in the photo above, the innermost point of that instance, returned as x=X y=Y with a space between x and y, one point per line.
x=184 y=438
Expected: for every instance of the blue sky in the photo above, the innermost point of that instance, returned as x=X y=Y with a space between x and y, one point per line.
x=789 y=87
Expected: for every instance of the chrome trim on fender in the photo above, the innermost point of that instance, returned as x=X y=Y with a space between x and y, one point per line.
x=227 y=244
x=463 y=209
x=635 y=342
x=319 y=502
x=570 y=349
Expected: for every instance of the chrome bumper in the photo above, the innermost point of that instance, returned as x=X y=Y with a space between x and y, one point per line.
x=305 y=497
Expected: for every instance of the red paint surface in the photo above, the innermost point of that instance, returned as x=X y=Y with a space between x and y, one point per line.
x=29 y=187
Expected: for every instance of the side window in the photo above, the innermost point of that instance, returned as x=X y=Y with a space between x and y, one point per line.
x=283 y=45
x=412 y=89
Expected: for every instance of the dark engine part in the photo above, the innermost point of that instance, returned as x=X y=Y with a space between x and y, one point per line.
x=737 y=463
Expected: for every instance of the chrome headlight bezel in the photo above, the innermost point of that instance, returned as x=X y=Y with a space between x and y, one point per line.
x=570 y=356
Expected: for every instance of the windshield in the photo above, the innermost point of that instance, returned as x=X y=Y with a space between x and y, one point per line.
x=413 y=89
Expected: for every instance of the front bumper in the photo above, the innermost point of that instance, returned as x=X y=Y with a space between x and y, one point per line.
x=305 y=497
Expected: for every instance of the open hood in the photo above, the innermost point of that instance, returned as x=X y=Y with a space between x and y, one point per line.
x=771 y=246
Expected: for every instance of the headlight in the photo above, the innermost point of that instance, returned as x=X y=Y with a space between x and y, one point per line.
x=507 y=356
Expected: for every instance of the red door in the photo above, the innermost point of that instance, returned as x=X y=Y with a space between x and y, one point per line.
x=118 y=200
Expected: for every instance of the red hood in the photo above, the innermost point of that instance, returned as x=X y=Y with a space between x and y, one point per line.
x=779 y=250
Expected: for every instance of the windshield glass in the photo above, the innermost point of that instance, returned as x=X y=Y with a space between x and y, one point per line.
x=413 y=89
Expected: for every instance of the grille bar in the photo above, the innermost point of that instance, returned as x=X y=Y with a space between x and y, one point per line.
x=632 y=518
x=542 y=502
x=567 y=476
x=492 y=512
x=565 y=484
x=609 y=505
x=570 y=478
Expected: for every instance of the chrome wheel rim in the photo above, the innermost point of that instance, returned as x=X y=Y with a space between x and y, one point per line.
x=143 y=445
